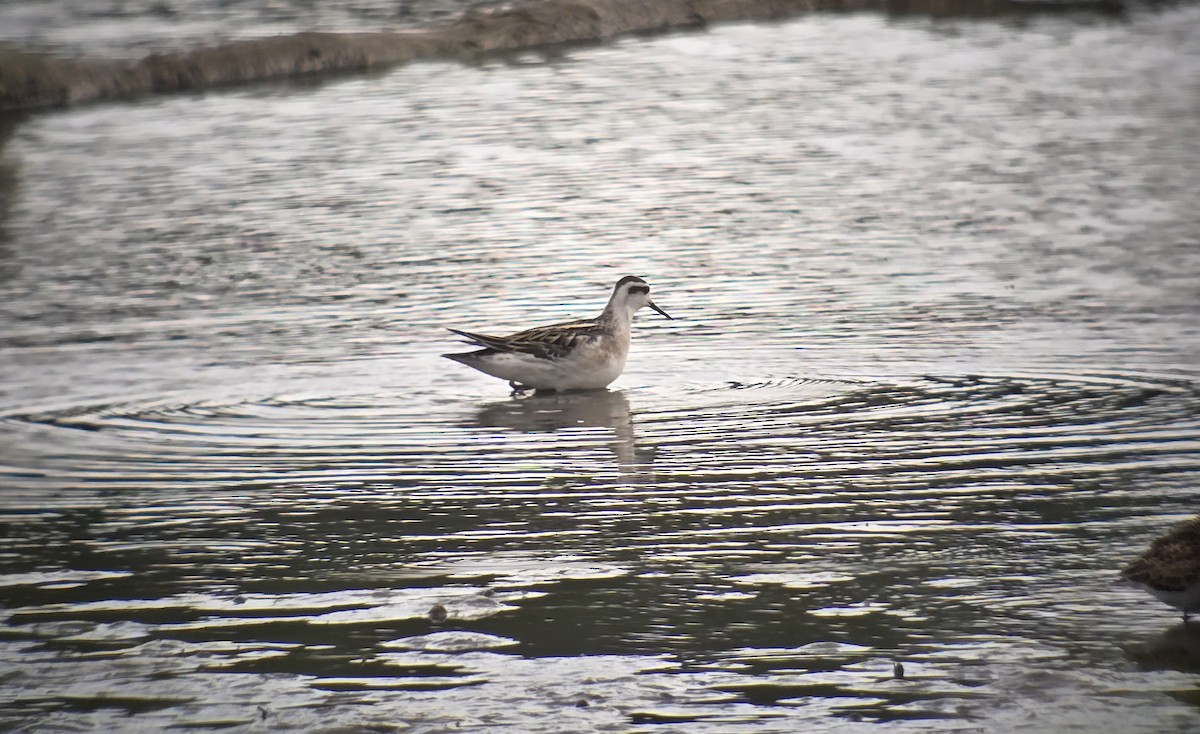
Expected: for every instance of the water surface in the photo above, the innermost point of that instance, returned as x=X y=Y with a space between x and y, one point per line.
x=135 y=28
x=932 y=380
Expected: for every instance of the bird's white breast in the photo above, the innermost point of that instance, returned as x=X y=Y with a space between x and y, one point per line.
x=593 y=366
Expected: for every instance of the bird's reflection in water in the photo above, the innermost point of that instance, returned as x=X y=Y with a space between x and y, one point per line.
x=547 y=413
x=1175 y=648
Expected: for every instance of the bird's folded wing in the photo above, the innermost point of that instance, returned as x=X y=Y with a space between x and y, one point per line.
x=1170 y=563
x=547 y=342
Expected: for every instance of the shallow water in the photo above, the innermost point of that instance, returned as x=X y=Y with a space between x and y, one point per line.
x=933 y=378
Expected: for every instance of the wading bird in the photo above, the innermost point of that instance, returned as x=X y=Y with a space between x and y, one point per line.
x=576 y=355
x=1170 y=568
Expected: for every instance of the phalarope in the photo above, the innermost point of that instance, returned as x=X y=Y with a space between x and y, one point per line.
x=1170 y=568
x=576 y=355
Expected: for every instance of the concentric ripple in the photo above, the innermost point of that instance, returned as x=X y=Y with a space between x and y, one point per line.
x=960 y=428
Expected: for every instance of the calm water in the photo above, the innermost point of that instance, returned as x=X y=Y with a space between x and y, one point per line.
x=935 y=375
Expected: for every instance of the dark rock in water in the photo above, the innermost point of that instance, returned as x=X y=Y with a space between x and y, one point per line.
x=438 y=614
x=29 y=80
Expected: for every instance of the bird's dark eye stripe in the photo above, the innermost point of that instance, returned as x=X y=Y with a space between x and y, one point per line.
x=639 y=289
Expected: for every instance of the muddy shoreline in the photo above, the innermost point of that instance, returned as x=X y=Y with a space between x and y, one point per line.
x=30 y=81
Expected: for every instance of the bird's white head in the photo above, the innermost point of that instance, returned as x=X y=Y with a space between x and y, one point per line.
x=630 y=294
